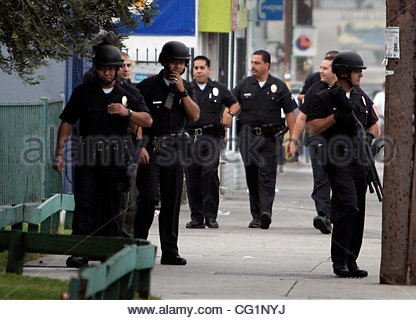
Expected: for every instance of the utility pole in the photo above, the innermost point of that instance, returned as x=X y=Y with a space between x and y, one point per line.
x=398 y=256
x=303 y=18
x=288 y=35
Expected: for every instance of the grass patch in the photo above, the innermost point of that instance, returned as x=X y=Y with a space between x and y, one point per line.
x=28 y=257
x=17 y=287
x=3 y=261
x=25 y=225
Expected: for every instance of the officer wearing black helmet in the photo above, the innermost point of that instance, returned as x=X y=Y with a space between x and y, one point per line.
x=160 y=175
x=330 y=119
x=104 y=109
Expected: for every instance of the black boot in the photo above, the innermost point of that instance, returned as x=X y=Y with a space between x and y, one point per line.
x=341 y=270
x=211 y=223
x=355 y=271
x=195 y=225
x=173 y=260
x=77 y=262
x=265 y=219
x=322 y=224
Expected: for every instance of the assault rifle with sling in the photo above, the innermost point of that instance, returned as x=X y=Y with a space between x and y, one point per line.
x=374 y=183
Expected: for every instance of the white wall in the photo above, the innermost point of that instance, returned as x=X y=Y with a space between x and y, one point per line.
x=154 y=42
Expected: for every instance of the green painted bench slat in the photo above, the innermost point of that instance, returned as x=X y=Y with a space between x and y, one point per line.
x=35 y=213
x=11 y=215
x=120 y=277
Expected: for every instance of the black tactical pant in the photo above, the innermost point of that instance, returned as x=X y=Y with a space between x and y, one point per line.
x=321 y=193
x=202 y=181
x=97 y=197
x=349 y=186
x=260 y=156
x=162 y=180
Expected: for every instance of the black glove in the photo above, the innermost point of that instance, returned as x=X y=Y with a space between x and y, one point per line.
x=344 y=118
x=370 y=137
x=342 y=106
x=340 y=100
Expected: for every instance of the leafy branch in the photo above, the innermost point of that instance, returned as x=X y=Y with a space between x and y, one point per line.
x=34 y=31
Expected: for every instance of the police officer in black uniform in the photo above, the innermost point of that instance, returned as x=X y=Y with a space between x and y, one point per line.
x=263 y=99
x=104 y=108
x=160 y=173
x=206 y=136
x=321 y=193
x=331 y=117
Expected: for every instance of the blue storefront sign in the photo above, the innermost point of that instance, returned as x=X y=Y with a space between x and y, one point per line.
x=270 y=9
x=138 y=77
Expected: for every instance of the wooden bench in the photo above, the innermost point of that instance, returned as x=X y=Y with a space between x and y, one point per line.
x=126 y=271
x=119 y=277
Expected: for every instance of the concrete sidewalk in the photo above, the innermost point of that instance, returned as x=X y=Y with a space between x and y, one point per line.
x=290 y=260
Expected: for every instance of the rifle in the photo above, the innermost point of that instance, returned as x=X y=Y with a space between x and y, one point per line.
x=373 y=178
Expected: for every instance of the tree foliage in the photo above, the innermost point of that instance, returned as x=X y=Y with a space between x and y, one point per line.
x=33 y=31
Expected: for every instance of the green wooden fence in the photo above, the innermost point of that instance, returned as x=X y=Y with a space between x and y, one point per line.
x=27 y=140
x=128 y=261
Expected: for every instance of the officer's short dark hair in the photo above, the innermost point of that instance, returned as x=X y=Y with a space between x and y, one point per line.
x=207 y=62
x=331 y=53
x=265 y=56
x=329 y=58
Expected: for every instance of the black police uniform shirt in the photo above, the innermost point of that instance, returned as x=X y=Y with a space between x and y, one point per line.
x=310 y=81
x=211 y=102
x=263 y=105
x=89 y=104
x=322 y=107
x=89 y=76
x=165 y=121
x=310 y=93
x=128 y=83
x=304 y=107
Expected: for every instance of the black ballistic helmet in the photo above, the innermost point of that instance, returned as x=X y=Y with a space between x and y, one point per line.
x=174 y=50
x=347 y=61
x=108 y=55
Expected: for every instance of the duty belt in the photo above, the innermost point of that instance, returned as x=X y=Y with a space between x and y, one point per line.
x=267 y=130
x=105 y=151
x=170 y=139
x=209 y=129
x=101 y=146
